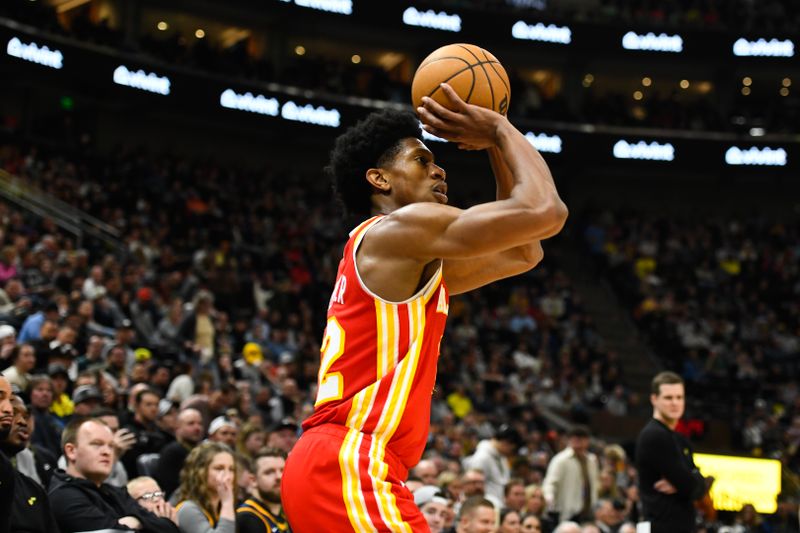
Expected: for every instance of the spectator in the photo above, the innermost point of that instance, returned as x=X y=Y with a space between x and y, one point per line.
x=80 y=498
x=531 y=524
x=223 y=430
x=47 y=430
x=207 y=490
x=23 y=360
x=34 y=461
x=571 y=483
x=510 y=521
x=146 y=492
x=435 y=506
x=7 y=474
x=514 y=495
x=568 y=527
x=283 y=435
x=262 y=511
x=149 y=438
x=251 y=439
x=61 y=405
x=426 y=471
x=31 y=329
x=188 y=434
x=197 y=329
x=123 y=441
x=477 y=515
x=608 y=515
x=473 y=483
x=86 y=399
x=30 y=510
x=492 y=458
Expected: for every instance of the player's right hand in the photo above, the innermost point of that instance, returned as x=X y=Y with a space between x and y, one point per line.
x=470 y=126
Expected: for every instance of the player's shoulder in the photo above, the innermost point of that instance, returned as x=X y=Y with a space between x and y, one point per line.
x=419 y=215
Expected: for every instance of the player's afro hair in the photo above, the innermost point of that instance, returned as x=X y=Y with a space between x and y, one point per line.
x=369 y=144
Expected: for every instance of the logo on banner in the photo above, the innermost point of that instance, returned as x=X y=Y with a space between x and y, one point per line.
x=641 y=150
x=33 y=53
x=652 y=42
x=431 y=19
x=544 y=142
x=247 y=102
x=549 y=33
x=756 y=156
x=139 y=79
x=772 y=48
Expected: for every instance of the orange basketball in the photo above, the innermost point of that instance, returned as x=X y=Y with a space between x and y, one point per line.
x=475 y=74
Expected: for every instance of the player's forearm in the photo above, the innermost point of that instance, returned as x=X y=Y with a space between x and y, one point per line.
x=502 y=174
x=531 y=184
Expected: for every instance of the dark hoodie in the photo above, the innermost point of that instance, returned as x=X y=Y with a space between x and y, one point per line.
x=80 y=505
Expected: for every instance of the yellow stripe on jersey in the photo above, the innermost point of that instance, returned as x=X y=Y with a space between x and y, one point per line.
x=391 y=416
x=351 y=483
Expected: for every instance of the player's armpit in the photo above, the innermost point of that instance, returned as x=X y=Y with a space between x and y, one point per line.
x=427 y=231
x=464 y=275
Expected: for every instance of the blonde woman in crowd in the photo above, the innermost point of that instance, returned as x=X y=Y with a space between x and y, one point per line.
x=207 y=489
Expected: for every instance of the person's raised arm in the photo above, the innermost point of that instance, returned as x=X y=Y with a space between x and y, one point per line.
x=532 y=211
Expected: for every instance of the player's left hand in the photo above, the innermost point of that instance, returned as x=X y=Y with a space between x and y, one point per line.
x=470 y=126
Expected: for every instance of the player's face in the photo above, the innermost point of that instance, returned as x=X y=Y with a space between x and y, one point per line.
x=669 y=403
x=269 y=473
x=414 y=177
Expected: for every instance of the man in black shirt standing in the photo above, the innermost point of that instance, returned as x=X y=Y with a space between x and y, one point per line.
x=669 y=481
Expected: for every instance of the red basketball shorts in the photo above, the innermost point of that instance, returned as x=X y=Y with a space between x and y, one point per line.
x=337 y=480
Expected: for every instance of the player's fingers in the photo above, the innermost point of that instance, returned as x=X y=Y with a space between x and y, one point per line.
x=453 y=97
x=432 y=121
x=438 y=109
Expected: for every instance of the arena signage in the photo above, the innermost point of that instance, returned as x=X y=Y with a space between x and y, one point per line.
x=652 y=42
x=772 y=48
x=544 y=142
x=311 y=115
x=431 y=19
x=139 y=79
x=539 y=32
x=756 y=156
x=247 y=102
x=641 y=150
x=343 y=7
x=33 y=53
x=740 y=480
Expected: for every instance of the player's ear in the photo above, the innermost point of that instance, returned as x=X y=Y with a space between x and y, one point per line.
x=377 y=179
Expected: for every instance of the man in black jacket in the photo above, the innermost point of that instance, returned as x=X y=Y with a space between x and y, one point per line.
x=80 y=499
x=6 y=469
x=30 y=507
x=669 y=481
x=143 y=425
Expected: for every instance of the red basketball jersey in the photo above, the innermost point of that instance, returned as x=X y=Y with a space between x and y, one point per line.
x=379 y=359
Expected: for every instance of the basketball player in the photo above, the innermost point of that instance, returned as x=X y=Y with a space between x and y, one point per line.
x=388 y=309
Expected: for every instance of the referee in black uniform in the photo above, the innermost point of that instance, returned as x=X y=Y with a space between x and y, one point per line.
x=669 y=481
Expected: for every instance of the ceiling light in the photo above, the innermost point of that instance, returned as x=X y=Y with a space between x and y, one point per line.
x=684 y=84
x=784 y=91
x=162 y=25
x=638 y=95
x=199 y=33
x=787 y=82
x=300 y=50
x=647 y=81
x=747 y=81
x=745 y=91
x=356 y=59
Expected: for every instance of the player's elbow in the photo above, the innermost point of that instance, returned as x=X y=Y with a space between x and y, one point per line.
x=531 y=255
x=557 y=216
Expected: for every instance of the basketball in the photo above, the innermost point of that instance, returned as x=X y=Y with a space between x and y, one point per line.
x=474 y=73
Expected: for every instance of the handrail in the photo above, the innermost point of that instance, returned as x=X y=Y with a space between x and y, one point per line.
x=66 y=216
